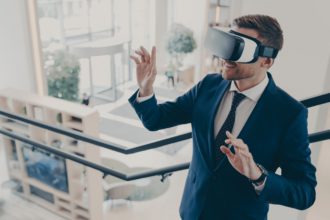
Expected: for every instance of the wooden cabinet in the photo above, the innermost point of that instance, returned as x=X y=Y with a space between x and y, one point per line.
x=76 y=192
x=185 y=74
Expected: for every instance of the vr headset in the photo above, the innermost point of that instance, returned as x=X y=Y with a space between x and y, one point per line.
x=237 y=47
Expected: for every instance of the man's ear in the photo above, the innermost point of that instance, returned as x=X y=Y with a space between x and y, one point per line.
x=267 y=62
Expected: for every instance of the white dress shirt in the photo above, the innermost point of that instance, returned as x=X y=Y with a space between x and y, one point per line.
x=243 y=111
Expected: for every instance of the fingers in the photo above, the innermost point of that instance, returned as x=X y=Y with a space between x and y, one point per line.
x=238 y=143
x=145 y=53
x=141 y=55
x=153 y=71
x=145 y=56
x=230 y=135
x=240 y=155
x=227 y=151
x=245 y=153
x=136 y=60
x=153 y=55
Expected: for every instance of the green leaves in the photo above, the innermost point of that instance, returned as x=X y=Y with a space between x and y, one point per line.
x=62 y=70
x=180 y=40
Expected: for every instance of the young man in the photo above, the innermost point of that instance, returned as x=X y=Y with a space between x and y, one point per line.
x=244 y=128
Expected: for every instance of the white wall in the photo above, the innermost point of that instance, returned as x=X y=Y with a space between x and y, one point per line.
x=191 y=13
x=16 y=66
x=160 y=24
x=301 y=67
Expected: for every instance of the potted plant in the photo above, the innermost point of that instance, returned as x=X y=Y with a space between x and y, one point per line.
x=180 y=42
x=62 y=70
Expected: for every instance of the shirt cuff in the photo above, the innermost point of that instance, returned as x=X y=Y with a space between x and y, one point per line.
x=259 y=188
x=142 y=99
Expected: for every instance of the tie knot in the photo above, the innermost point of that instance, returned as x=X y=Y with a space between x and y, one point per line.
x=238 y=97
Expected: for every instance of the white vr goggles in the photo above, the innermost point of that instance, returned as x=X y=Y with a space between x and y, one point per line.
x=237 y=47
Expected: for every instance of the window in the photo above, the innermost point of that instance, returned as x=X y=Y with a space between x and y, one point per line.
x=65 y=24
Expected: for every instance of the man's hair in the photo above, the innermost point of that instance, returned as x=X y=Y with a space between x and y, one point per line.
x=268 y=28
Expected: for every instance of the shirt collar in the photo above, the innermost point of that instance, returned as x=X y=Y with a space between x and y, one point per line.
x=253 y=93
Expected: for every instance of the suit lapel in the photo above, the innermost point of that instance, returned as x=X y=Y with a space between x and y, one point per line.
x=223 y=87
x=261 y=108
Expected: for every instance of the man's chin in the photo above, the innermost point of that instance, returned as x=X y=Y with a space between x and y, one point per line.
x=227 y=75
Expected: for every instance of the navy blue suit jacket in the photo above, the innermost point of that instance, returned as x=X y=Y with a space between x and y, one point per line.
x=276 y=133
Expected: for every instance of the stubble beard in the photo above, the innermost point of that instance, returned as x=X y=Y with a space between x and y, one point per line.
x=231 y=74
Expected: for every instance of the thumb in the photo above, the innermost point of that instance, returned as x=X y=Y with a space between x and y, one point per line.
x=153 y=55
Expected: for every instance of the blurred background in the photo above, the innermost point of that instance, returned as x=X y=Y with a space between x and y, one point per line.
x=78 y=51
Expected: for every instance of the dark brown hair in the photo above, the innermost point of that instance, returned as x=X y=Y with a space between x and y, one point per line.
x=268 y=28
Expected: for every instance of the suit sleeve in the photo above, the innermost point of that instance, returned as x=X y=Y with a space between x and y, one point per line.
x=159 y=116
x=295 y=187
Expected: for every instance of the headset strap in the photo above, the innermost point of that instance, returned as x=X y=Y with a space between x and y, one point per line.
x=265 y=51
x=262 y=51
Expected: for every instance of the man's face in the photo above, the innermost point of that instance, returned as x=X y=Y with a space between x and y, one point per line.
x=236 y=71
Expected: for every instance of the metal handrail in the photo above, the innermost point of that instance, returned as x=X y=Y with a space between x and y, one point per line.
x=314 y=137
x=319 y=136
x=309 y=102
x=316 y=100
x=166 y=171
x=105 y=170
x=96 y=141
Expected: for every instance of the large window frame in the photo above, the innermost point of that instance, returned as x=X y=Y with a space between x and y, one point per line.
x=36 y=42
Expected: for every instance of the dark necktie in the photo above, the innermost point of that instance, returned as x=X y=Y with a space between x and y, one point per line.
x=227 y=126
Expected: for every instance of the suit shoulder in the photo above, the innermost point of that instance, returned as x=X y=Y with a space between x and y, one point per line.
x=211 y=78
x=288 y=102
x=214 y=76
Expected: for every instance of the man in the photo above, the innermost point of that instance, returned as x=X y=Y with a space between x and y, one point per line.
x=85 y=99
x=244 y=128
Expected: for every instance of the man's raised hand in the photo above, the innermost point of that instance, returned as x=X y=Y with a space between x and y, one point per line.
x=146 y=70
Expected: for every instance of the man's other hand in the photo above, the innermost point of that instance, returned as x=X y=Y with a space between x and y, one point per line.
x=242 y=159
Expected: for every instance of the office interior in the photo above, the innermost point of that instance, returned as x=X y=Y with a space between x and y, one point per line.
x=65 y=63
